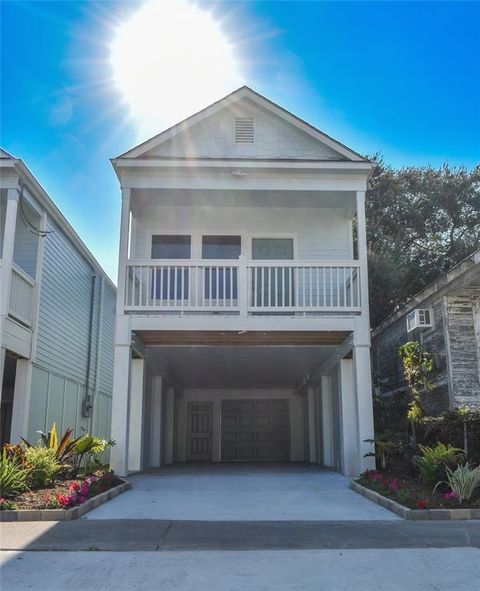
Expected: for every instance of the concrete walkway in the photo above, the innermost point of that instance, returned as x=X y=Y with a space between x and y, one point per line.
x=305 y=570
x=241 y=492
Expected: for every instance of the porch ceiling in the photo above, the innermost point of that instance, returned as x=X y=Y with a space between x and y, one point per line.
x=237 y=367
x=242 y=198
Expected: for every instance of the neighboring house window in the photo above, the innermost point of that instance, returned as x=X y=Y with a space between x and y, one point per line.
x=221 y=282
x=244 y=130
x=171 y=284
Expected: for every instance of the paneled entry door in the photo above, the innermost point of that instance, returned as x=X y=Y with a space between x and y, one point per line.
x=199 y=431
x=273 y=286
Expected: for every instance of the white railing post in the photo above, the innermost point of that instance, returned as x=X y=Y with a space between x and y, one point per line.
x=242 y=284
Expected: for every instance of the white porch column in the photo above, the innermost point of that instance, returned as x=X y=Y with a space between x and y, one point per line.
x=312 y=427
x=6 y=267
x=363 y=388
x=156 y=423
x=361 y=351
x=135 y=441
x=122 y=359
x=348 y=419
x=242 y=286
x=327 y=418
x=169 y=425
x=21 y=400
x=121 y=409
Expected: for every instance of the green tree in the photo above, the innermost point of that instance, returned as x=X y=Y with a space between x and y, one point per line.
x=421 y=221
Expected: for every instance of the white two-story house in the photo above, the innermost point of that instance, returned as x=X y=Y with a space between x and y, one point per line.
x=242 y=307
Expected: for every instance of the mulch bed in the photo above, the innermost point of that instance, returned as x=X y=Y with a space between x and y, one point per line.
x=44 y=498
x=414 y=494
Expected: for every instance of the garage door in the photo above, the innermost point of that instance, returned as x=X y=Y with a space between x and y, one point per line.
x=255 y=430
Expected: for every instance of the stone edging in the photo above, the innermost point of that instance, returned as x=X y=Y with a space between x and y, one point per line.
x=64 y=514
x=414 y=514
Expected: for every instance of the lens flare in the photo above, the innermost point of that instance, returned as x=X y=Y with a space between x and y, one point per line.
x=169 y=60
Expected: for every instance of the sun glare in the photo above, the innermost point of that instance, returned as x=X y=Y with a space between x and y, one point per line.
x=169 y=60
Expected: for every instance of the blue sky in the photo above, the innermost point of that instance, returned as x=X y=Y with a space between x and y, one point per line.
x=390 y=77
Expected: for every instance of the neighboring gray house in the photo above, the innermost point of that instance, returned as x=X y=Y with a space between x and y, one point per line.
x=57 y=317
x=445 y=318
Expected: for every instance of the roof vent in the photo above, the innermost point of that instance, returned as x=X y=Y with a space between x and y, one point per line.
x=244 y=130
x=421 y=318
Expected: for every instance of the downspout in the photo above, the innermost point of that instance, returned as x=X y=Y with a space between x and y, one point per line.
x=87 y=401
x=99 y=344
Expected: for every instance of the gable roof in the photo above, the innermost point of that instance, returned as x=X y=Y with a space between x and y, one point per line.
x=260 y=100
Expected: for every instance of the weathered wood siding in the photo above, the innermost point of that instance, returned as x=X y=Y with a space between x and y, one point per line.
x=453 y=343
x=463 y=346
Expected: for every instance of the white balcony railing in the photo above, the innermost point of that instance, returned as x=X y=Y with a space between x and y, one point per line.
x=241 y=286
x=21 y=296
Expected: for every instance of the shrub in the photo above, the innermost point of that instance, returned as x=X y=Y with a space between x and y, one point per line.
x=463 y=481
x=13 y=475
x=459 y=427
x=434 y=460
x=44 y=466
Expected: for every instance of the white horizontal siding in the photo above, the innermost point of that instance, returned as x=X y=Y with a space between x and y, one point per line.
x=64 y=315
x=25 y=245
x=319 y=234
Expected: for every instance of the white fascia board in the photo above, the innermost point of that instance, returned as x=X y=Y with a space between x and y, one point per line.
x=265 y=164
x=39 y=193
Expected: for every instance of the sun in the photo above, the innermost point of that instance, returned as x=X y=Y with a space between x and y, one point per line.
x=169 y=60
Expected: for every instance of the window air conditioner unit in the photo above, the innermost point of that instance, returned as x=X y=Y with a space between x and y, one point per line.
x=420 y=318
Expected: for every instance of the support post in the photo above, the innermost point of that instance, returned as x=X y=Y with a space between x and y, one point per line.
x=312 y=427
x=21 y=400
x=156 y=423
x=6 y=266
x=120 y=409
x=327 y=422
x=363 y=388
x=243 y=286
x=348 y=422
x=169 y=425
x=136 y=416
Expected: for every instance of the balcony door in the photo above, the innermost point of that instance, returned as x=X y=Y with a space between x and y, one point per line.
x=272 y=286
x=171 y=282
x=220 y=282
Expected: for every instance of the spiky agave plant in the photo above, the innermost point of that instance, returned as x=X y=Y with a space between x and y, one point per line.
x=463 y=481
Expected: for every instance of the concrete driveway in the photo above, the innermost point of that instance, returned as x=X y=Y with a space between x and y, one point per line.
x=241 y=492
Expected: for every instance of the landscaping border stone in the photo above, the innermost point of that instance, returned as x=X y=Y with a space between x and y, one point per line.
x=65 y=514
x=414 y=514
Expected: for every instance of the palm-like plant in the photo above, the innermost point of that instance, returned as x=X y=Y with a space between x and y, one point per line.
x=463 y=481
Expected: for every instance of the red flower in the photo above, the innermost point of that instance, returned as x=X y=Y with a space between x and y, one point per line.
x=394 y=485
x=422 y=504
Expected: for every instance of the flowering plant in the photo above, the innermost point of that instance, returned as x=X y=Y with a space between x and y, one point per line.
x=7 y=505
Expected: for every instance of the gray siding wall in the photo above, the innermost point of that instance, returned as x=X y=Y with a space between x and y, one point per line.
x=26 y=243
x=463 y=346
x=452 y=342
x=61 y=362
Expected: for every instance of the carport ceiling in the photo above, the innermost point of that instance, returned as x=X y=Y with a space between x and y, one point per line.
x=237 y=367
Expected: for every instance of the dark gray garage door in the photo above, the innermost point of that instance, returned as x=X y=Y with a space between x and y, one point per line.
x=255 y=430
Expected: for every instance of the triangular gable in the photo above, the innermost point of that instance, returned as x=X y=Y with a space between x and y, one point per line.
x=210 y=133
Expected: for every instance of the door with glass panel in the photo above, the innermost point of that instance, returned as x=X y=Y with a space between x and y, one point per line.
x=272 y=286
x=220 y=285
x=170 y=281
